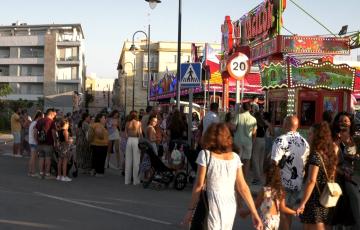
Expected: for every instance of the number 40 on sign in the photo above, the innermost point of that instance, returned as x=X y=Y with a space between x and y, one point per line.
x=238 y=66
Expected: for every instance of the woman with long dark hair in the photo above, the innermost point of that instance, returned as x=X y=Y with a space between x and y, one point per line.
x=347 y=209
x=83 y=153
x=321 y=168
x=132 y=154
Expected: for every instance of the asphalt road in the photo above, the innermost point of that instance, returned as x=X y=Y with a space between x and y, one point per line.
x=86 y=202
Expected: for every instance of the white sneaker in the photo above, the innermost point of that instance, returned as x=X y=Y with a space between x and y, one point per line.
x=66 y=179
x=58 y=177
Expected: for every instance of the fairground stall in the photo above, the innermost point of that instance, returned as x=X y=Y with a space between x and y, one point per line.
x=297 y=72
x=164 y=90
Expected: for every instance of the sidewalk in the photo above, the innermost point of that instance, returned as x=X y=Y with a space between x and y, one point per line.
x=5 y=138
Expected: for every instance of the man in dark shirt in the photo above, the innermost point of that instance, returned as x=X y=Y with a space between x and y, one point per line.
x=46 y=147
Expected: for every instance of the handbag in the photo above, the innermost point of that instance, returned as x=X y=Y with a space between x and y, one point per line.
x=331 y=192
x=202 y=207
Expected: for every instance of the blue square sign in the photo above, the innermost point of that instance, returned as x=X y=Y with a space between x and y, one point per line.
x=190 y=75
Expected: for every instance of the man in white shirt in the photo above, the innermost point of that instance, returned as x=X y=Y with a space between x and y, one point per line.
x=211 y=117
x=290 y=152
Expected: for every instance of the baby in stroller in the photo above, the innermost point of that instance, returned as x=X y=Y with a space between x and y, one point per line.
x=155 y=172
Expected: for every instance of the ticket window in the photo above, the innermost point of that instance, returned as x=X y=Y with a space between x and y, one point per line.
x=307 y=113
x=278 y=111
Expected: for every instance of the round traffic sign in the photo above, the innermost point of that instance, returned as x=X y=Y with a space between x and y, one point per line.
x=238 y=65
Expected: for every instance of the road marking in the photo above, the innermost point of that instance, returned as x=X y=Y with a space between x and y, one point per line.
x=24 y=223
x=103 y=209
x=127 y=201
x=142 y=203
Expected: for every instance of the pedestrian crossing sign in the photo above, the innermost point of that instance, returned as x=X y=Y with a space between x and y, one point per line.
x=190 y=75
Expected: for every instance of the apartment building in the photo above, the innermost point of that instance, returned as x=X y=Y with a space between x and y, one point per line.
x=133 y=68
x=43 y=61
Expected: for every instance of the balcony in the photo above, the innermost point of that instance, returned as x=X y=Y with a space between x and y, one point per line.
x=69 y=43
x=68 y=79
x=33 y=79
x=21 y=61
x=73 y=60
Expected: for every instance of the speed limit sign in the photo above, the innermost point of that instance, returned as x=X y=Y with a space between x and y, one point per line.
x=238 y=65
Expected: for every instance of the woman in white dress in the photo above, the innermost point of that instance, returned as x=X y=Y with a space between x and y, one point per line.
x=223 y=180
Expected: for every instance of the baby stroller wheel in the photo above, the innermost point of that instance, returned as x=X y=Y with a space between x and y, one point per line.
x=180 y=181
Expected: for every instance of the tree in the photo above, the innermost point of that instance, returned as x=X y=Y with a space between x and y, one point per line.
x=5 y=89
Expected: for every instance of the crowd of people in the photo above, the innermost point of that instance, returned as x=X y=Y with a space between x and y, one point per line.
x=243 y=149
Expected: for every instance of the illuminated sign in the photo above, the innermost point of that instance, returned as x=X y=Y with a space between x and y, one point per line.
x=260 y=20
x=273 y=76
x=315 y=44
x=325 y=75
x=264 y=49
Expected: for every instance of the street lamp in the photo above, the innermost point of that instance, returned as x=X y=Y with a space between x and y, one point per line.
x=133 y=50
x=108 y=95
x=133 y=94
x=152 y=4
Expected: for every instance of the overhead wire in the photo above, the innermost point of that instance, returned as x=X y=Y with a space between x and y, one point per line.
x=288 y=30
x=298 y=6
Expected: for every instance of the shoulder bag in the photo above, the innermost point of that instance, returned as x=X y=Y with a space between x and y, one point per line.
x=202 y=208
x=331 y=192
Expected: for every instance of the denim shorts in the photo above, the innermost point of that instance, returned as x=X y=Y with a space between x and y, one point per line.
x=33 y=147
x=17 y=137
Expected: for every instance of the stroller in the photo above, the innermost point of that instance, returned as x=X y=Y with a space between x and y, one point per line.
x=162 y=175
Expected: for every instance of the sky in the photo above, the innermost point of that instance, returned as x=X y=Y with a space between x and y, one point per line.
x=108 y=23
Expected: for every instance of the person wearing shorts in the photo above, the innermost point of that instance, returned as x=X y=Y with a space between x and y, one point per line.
x=16 y=131
x=33 y=144
x=245 y=135
x=290 y=152
x=46 y=148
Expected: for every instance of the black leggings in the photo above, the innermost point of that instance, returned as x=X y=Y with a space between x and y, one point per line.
x=98 y=158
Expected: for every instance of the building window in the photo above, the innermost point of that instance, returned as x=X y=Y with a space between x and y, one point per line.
x=4 y=52
x=65 y=88
x=27 y=88
x=68 y=54
x=4 y=70
x=31 y=70
x=153 y=61
x=21 y=33
x=31 y=52
x=67 y=73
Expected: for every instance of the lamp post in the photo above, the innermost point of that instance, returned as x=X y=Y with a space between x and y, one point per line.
x=108 y=95
x=152 y=4
x=133 y=94
x=133 y=49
